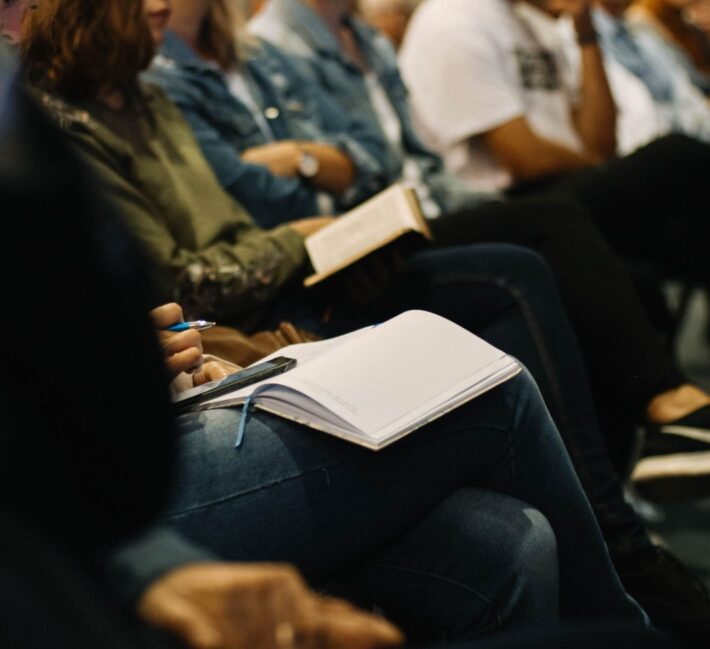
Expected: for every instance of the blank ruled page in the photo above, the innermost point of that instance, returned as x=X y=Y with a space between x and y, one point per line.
x=392 y=371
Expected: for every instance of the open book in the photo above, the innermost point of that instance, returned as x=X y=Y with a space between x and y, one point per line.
x=377 y=384
x=370 y=226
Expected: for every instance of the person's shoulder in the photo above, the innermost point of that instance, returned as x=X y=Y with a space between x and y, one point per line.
x=158 y=101
x=164 y=69
x=270 y=25
x=479 y=8
x=375 y=40
x=441 y=15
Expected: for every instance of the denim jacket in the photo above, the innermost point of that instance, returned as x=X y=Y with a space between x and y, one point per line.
x=294 y=27
x=224 y=126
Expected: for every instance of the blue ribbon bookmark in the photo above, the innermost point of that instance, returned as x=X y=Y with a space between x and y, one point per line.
x=243 y=421
x=246 y=409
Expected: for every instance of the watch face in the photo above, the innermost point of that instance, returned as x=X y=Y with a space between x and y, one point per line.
x=308 y=165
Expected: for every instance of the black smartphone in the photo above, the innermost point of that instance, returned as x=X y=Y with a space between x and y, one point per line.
x=233 y=382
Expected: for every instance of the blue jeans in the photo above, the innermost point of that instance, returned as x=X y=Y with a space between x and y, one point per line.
x=457 y=529
x=507 y=295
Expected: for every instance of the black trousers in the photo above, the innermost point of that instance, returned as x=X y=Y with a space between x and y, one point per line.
x=625 y=356
x=651 y=205
x=627 y=359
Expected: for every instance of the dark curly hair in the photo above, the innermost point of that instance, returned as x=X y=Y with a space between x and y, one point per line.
x=76 y=48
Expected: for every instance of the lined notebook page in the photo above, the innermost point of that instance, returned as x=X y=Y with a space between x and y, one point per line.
x=375 y=379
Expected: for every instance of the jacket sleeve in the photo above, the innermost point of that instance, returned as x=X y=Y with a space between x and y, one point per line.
x=270 y=199
x=243 y=268
x=132 y=566
x=364 y=145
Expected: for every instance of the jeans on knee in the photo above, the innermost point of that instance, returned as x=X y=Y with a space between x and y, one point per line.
x=293 y=494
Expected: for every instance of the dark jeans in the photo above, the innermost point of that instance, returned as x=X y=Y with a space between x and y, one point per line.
x=506 y=295
x=627 y=360
x=456 y=529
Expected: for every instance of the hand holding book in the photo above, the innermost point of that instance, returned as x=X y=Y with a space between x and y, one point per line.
x=370 y=227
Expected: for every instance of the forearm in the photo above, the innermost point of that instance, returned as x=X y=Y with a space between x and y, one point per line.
x=335 y=174
x=595 y=117
x=528 y=156
x=550 y=158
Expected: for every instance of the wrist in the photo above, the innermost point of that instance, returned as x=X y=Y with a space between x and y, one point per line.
x=587 y=38
x=307 y=165
x=584 y=28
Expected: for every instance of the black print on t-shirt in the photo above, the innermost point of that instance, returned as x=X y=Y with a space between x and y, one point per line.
x=538 y=69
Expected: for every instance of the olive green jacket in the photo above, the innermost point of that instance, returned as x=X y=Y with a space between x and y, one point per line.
x=207 y=252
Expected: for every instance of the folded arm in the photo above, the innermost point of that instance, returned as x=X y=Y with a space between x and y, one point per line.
x=335 y=174
x=528 y=156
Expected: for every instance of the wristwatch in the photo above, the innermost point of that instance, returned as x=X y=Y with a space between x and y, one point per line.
x=307 y=165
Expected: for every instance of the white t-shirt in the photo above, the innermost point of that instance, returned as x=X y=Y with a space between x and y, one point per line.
x=473 y=65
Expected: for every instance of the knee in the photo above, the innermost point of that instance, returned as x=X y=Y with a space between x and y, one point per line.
x=530 y=584
x=527 y=273
x=518 y=264
x=535 y=553
x=514 y=550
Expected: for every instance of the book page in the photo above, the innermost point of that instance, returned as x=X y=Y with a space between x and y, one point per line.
x=302 y=352
x=377 y=384
x=397 y=368
x=363 y=229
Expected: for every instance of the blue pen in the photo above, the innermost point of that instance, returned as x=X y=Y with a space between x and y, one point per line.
x=200 y=325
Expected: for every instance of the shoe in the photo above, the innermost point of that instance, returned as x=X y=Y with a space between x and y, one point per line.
x=674 y=462
x=676 y=600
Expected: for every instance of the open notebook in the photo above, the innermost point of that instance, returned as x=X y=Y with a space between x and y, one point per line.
x=377 y=384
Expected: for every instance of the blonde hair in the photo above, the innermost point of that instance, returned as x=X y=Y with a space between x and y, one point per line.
x=218 y=33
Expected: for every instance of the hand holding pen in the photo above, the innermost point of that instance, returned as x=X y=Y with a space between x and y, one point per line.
x=182 y=347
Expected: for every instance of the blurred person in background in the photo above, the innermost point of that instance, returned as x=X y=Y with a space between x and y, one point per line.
x=684 y=26
x=390 y=17
x=652 y=91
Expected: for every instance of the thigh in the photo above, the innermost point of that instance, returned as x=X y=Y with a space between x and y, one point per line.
x=289 y=493
x=650 y=204
x=529 y=221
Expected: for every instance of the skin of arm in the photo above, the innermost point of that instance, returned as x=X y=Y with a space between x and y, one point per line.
x=527 y=155
x=336 y=171
x=595 y=118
